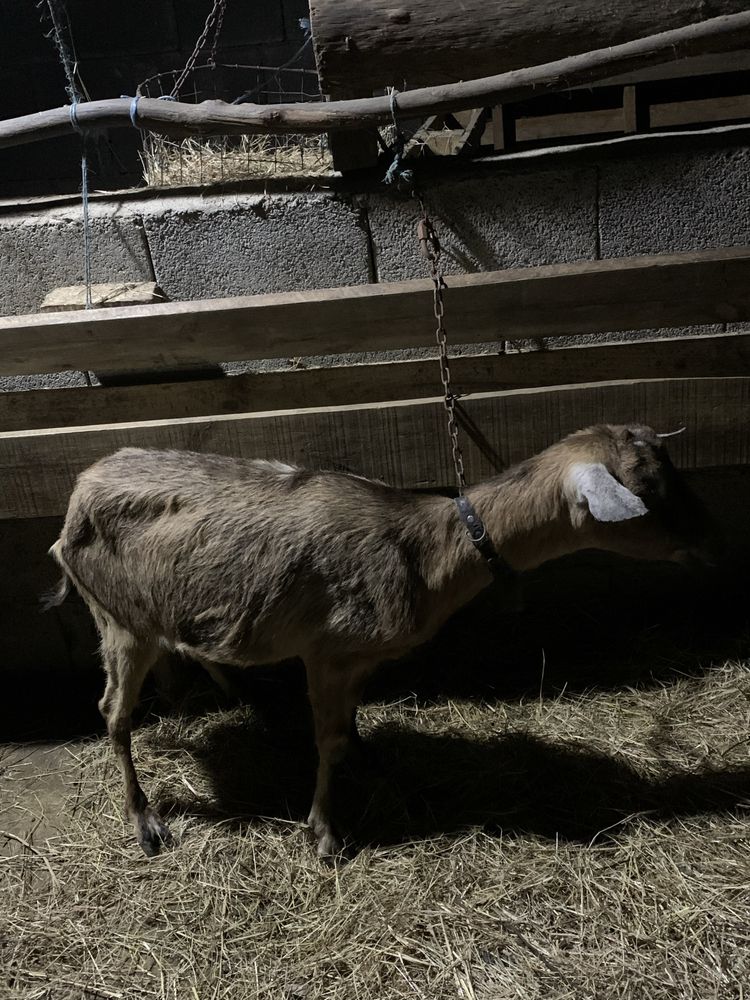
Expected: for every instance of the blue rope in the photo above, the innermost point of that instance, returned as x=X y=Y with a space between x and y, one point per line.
x=134 y=106
x=397 y=174
x=73 y=113
x=86 y=228
x=134 y=110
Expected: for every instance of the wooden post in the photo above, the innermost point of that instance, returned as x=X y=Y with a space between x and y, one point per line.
x=352 y=150
x=503 y=128
x=635 y=110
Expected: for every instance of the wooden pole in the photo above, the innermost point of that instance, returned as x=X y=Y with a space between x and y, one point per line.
x=719 y=34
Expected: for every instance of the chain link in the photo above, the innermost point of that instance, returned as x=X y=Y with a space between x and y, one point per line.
x=215 y=17
x=431 y=251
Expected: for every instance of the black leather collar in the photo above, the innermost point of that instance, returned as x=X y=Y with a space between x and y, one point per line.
x=481 y=541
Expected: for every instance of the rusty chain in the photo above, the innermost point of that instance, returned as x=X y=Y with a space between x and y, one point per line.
x=431 y=251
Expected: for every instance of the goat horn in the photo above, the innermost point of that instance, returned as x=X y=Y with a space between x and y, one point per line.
x=672 y=434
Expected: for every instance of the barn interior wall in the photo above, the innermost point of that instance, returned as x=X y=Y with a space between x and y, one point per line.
x=653 y=195
x=647 y=196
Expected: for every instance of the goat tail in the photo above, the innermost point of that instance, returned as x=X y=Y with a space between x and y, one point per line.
x=53 y=598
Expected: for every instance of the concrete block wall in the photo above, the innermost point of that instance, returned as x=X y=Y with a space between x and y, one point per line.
x=648 y=196
x=251 y=244
x=544 y=215
x=669 y=201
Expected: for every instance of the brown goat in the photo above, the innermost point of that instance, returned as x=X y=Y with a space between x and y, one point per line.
x=245 y=562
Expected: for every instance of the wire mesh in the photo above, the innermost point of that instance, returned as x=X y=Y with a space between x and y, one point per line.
x=221 y=158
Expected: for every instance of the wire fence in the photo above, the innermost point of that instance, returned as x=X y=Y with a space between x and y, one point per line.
x=222 y=158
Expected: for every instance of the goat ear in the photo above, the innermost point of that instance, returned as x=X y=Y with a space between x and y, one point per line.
x=607 y=499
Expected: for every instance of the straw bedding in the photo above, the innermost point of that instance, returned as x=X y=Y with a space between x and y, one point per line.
x=544 y=842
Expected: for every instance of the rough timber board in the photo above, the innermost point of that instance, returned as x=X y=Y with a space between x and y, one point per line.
x=403 y=443
x=710 y=286
x=109 y=294
x=714 y=356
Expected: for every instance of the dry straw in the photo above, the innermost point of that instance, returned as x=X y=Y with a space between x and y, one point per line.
x=594 y=845
x=192 y=161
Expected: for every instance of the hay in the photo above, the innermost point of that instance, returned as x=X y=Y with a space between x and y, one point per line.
x=224 y=159
x=580 y=846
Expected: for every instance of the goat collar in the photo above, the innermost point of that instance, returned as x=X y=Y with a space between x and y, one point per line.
x=475 y=529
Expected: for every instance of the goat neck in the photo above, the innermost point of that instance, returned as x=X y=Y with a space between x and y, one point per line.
x=526 y=514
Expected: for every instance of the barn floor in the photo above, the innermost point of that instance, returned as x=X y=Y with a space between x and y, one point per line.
x=567 y=818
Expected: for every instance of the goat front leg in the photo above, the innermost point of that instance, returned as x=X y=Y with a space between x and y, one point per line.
x=334 y=691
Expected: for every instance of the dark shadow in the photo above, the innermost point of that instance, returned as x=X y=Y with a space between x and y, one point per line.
x=591 y=621
x=414 y=785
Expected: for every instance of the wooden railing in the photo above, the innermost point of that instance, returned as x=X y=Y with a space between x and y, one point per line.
x=385 y=419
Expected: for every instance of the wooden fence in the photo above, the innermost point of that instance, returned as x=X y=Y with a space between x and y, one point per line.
x=386 y=419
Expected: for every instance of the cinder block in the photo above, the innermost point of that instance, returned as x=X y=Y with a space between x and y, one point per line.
x=670 y=201
x=623 y=336
x=43 y=250
x=250 y=244
x=489 y=223
x=52 y=380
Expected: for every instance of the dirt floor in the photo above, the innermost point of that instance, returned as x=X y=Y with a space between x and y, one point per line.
x=552 y=805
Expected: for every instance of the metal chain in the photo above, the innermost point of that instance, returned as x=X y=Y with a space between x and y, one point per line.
x=217 y=33
x=216 y=16
x=431 y=251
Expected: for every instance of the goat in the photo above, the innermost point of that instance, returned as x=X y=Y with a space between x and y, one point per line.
x=243 y=562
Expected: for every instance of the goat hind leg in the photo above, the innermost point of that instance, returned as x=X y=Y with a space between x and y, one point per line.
x=334 y=693
x=127 y=662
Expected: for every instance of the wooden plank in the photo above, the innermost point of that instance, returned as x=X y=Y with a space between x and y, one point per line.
x=109 y=294
x=629 y=110
x=709 y=286
x=499 y=141
x=710 y=109
x=720 y=355
x=602 y=120
x=403 y=443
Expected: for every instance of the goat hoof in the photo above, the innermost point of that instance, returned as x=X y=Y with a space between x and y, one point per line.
x=152 y=833
x=330 y=848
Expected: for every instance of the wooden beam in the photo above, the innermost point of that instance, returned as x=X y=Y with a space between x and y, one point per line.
x=715 y=35
x=709 y=286
x=430 y=42
x=710 y=109
x=403 y=443
x=352 y=150
x=715 y=356
x=535 y=127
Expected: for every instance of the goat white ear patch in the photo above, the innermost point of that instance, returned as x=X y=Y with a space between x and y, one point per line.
x=607 y=499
